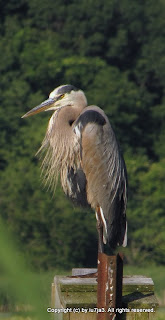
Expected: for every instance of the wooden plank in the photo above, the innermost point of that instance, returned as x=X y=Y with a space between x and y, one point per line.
x=83 y=271
x=137 y=283
x=128 y=316
x=134 y=301
x=141 y=316
x=130 y=284
x=53 y=294
x=78 y=284
x=81 y=316
x=81 y=299
x=68 y=292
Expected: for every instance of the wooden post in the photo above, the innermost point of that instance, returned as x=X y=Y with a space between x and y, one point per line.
x=109 y=288
x=76 y=297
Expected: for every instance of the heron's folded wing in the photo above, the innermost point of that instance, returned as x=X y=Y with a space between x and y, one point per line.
x=104 y=169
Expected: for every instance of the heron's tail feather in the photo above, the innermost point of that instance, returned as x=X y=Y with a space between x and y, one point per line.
x=125 y=237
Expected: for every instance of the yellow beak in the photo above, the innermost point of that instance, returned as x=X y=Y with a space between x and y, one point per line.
x=45 y=105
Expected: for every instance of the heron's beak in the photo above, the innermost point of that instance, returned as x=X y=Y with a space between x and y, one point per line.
x=45 y=105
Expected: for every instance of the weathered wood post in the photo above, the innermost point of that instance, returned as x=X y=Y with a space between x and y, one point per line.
x=75 y=297
x=109 y=287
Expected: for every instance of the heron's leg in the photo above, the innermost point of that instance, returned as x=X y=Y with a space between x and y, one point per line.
x=100 y=238
x=100 y=230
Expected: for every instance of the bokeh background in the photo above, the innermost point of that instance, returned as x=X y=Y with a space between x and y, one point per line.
x=114 y=51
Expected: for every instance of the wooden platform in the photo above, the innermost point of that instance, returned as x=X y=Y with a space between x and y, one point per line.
x=75 y=298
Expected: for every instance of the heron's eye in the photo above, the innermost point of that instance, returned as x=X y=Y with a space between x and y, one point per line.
x=62 y=96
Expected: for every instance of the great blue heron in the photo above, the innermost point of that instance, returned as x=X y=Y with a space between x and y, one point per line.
x=81 y=145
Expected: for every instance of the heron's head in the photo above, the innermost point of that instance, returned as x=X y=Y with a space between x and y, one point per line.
x=62 y=96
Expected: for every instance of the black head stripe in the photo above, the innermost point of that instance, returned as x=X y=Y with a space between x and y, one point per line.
x=66 y=89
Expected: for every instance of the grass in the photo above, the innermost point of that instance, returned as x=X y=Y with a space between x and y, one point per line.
x=160 y=315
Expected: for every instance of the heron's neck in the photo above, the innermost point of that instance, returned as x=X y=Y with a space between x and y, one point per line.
x=72 y=110
x=79 y=100
x=61 y=121
x=69 y=114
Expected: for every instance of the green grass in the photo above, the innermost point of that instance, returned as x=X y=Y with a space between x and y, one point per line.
x=160 y=315
x=11 y=301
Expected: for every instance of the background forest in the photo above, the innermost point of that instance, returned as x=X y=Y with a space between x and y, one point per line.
x=114 y=51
